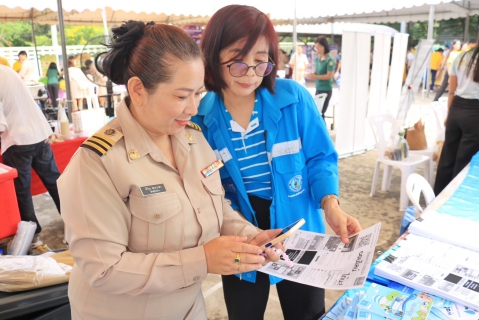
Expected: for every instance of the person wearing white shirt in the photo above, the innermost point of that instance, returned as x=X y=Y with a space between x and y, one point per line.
x=24 y=131
x=27 y=72
x=299 y=64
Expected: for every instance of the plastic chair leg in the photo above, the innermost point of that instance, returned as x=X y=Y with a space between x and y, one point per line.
x=88 y=102
x=375 y=179
x=387 y=173
x=430 y=174
x=403 y=197
x=96 y=104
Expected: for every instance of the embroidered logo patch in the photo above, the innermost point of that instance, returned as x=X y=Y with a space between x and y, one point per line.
x=296 y=183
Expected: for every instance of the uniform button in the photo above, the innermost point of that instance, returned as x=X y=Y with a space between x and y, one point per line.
x=157 y=216
x=198 y=209
x=196 y=278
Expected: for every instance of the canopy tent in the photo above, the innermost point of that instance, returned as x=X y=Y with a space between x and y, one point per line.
x=336 y=28
x=281 y=12
x=408 y=11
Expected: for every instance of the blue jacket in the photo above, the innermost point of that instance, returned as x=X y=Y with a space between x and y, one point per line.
x=302 y=158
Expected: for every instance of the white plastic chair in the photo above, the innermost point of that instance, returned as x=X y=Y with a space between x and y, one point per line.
x=407 y=166
x=319 y=99
x=415 y=185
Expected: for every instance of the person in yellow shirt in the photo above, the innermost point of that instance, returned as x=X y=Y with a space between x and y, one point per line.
x=436 y=60
x=4 y=61
x=17 y=66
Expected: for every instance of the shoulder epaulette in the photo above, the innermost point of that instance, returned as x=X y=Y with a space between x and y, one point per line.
x=193 y=125
x=102 y=141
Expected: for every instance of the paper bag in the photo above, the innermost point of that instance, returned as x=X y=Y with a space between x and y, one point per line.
x=416 y=138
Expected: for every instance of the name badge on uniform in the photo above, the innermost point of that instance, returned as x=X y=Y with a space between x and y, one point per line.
x=209 y=170
x=153 y=189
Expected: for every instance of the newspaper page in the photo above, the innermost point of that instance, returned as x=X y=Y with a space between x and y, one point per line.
x=324 y=261
x=435 y=267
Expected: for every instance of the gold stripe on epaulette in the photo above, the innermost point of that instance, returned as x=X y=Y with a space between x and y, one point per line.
x=104 y=137
x=94 y=147
x=193 y=125
x=100 y=142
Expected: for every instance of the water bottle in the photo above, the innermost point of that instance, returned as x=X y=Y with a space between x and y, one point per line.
x=403 y=146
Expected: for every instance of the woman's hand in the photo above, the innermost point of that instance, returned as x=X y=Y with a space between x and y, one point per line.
x=265 y=236
x=221 y=253
x=342 y=223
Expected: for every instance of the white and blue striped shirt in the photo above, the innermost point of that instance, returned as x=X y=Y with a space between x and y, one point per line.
x=250 y=149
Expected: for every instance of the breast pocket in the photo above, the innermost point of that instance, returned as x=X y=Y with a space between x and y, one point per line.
x=215 y=190
x=155 y=218
x=293 y=177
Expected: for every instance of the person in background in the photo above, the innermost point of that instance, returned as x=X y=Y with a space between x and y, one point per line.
x=52 y=83
x=409 y=58
x=145 y=213
x=446 y=67
x=465 y=47
x=283 y=59
x=78 y=83
x=324 y=69
x=24 y=131
x=435 y=64
x=280 y=163
x=4 y=62
x=27 y=72
x=299 y=64
x=462 y=130
x=472 y=44
x=99 y=79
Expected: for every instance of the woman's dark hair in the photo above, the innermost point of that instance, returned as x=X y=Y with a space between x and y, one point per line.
x=473 y=63
x=53 y=65
x=324 y=43
x=229 y=25
x=147 y=51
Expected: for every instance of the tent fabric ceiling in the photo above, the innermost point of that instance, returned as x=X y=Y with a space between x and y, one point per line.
x=281 y=12
x=336 y=28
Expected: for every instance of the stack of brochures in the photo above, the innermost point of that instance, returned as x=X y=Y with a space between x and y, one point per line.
x=440 y=257
x=396 y=302
x=447 y=228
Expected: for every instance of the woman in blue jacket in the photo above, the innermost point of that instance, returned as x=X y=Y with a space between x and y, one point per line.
x=280 y=164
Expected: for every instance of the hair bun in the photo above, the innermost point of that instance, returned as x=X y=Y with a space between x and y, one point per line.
x=124 y=39
x=128 y=33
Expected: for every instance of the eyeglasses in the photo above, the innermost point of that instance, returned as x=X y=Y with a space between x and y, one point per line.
x=239 y=69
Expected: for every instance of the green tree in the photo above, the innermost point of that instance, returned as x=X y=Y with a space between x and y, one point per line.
x=78 y=35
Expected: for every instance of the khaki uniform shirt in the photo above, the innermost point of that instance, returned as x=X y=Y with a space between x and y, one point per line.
x=141 y=256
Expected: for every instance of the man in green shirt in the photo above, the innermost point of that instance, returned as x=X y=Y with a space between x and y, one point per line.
x=324 y=70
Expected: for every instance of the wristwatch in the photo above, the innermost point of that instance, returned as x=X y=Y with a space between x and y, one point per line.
x=327 y=197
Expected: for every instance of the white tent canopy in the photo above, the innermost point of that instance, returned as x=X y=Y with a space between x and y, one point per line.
x=191 y=12
x=336 y=28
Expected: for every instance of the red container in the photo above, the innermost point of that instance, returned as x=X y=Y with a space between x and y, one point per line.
x=9 y=214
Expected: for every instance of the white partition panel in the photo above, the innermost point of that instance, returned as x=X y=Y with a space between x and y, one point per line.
x=352 y=110
x=396 y=72
x=379 y=73
x=379 y=81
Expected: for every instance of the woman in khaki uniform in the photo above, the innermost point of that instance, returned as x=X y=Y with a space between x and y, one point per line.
x=142 y=199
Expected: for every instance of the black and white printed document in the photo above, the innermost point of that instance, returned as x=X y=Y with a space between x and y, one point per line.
x=324 y=261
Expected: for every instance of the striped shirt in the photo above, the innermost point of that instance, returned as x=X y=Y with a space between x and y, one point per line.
x=250 y=149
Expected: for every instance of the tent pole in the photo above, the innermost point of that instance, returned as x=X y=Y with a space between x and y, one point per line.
x=430 y=35
x=66 y=75
x=466 y=29
x=295 y=21
x=105 y=25
x=35 y=44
